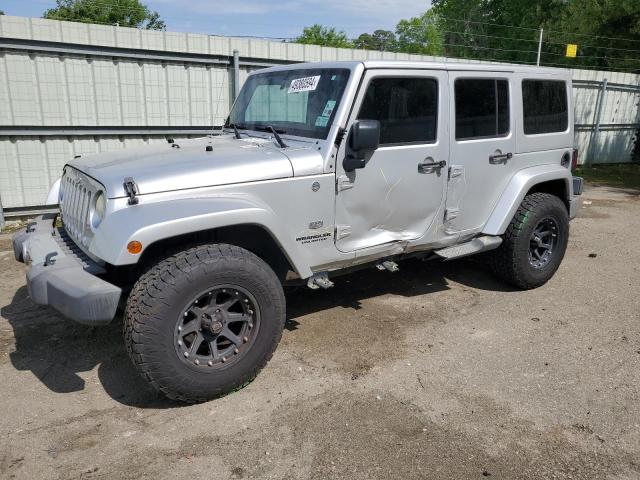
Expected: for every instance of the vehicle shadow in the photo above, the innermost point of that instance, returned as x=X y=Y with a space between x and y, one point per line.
x=59 y=352
x=414 y=278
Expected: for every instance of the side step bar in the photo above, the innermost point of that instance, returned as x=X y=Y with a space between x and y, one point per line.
x=477 y=245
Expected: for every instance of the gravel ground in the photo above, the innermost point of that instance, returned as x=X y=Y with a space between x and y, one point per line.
x=438 y=371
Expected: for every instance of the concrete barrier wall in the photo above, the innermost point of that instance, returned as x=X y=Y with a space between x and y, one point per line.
x=70 y=88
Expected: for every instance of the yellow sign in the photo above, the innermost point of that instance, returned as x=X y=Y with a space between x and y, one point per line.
x=572 y=50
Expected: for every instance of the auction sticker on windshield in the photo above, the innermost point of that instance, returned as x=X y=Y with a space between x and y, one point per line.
x=306 y=84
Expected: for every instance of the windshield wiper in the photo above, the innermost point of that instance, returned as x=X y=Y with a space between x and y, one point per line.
x=235 y=127
x=269 y=128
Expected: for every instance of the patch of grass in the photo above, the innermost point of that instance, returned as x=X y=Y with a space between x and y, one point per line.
x=625 y=175
x=12 y=226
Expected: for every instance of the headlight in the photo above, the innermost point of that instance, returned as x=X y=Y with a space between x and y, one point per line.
x=98 y=209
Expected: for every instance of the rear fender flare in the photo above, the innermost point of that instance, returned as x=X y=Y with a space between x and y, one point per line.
x=517 y=189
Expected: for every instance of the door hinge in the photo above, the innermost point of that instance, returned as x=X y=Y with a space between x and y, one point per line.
x=343 y=183
x=342 y=231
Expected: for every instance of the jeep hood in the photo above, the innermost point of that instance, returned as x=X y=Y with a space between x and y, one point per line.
x=186 y=164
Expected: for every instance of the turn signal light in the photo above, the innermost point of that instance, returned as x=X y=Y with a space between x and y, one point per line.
x=574 y=160
x=134 y=247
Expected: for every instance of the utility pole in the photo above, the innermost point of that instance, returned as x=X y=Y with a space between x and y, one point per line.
x=540 y=46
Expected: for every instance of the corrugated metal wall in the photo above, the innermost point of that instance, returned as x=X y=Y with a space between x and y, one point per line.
x=71 y=88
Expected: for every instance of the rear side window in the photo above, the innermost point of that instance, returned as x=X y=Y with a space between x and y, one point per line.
x=407 y=109
x=482 y=108
x=544 y=106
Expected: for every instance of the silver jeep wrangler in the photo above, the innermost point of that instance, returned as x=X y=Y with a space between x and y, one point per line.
x=320 y=168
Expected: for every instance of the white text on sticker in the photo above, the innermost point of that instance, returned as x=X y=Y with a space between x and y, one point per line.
x=306 y=84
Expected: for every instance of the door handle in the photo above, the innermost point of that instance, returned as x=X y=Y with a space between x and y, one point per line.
x=500 y=158
x=429 y=166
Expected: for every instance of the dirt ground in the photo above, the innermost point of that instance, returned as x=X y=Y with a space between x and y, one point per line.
x=437 y=371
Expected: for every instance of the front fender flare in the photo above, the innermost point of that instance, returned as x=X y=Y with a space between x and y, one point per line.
x=151 y=222
x=516 y=190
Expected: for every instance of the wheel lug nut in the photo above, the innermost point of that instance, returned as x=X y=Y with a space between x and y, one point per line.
x=251 y=325
x=224 y=359
x=179 y=329
x=210 y=363
x=245 y=339
x=235 y=350
x=179 y=342
x=196 y=361
x=246 y=301
x=186 y=354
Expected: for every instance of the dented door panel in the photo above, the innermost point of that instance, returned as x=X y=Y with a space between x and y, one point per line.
x=397 y=196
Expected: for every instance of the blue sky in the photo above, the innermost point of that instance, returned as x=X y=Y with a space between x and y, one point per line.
x=282 y=18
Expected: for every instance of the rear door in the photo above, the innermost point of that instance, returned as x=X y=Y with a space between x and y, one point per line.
x=396 y=196
x=481 y=148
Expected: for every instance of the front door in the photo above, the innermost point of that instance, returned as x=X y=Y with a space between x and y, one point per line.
x=398 y=193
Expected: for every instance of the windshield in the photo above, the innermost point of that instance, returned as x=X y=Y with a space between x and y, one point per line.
x=296 y=102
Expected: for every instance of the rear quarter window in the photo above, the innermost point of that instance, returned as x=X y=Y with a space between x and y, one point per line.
x=544 y=106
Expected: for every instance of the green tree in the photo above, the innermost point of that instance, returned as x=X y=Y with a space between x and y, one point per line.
x=507 y=30
x=1 y=12
x=607 y=33
x=325 y=36
x=125 y=13
x=420 y=35
x=381 y=40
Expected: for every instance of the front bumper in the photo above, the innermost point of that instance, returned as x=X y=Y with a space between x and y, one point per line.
x=576 y=200
x=61 y=276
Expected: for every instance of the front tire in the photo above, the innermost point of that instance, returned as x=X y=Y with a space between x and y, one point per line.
x=204 y=322
x=535 y=242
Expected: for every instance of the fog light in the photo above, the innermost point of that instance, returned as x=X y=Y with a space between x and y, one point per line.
x=134 y=247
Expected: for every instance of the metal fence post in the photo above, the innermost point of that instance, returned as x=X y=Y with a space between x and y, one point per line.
x=236 y=74
x=596 y=128
x=1 y=215
x=539 y=47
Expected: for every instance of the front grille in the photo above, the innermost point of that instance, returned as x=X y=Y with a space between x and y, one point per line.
x=78 y=192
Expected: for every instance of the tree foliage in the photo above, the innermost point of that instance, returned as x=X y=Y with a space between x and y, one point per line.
x=125 y=13
x=508 y=30
x=325 y=36
x=381 y=40
x=420 y=35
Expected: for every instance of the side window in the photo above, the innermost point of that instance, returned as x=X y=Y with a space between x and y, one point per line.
x=544 y=106
x=407 y=109
x=482 y=108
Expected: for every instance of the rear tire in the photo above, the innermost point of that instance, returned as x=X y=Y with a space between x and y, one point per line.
x=535 y=242
x=204 y=322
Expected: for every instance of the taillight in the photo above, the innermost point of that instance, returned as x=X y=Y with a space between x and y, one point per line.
x=574 y=160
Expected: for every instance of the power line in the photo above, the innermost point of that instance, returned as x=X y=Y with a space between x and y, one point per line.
x=537 y=29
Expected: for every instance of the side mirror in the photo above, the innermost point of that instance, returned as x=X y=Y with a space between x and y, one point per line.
x=363 y=138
